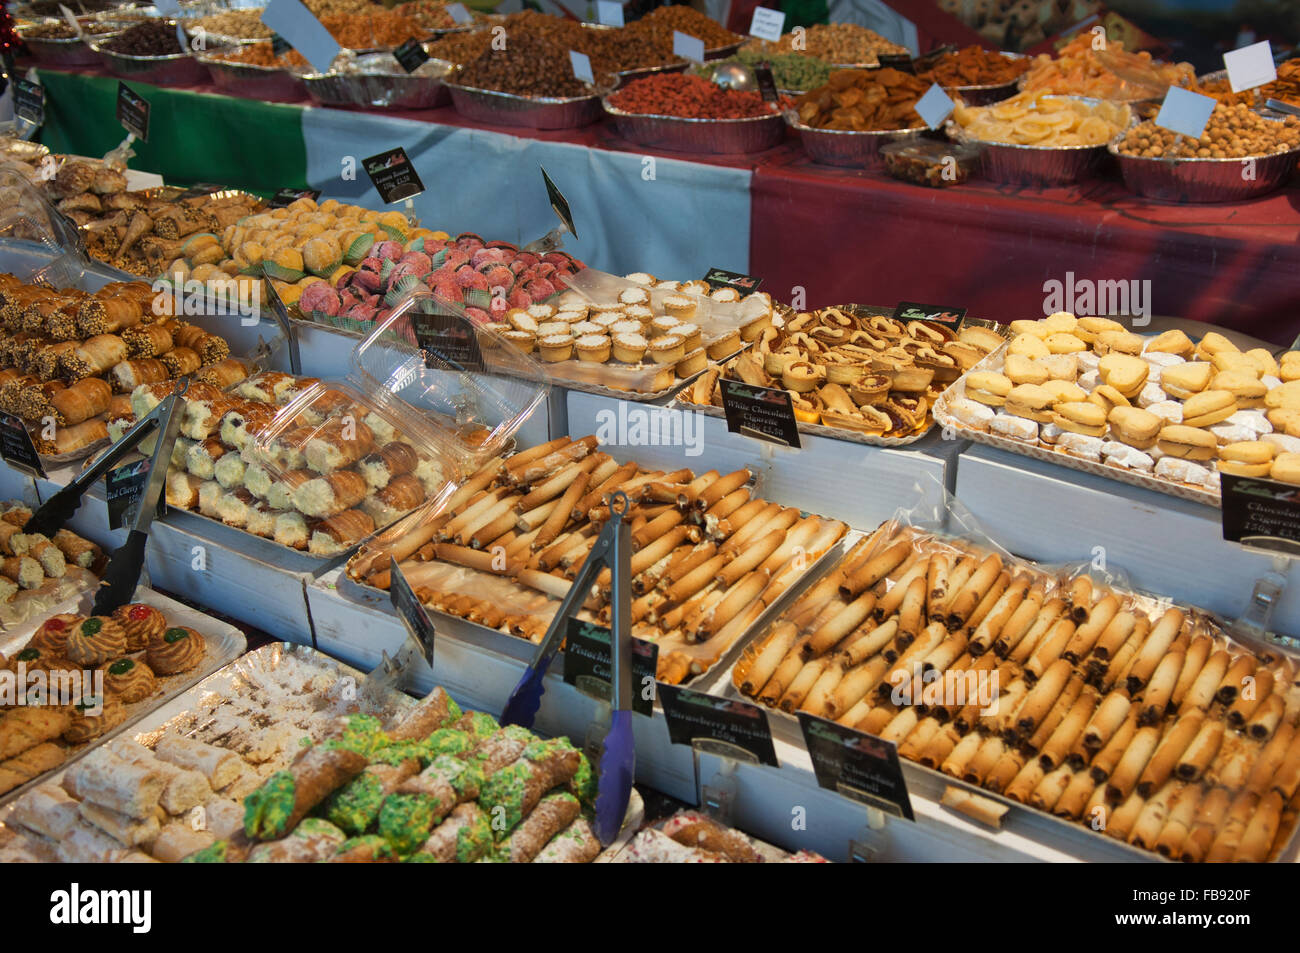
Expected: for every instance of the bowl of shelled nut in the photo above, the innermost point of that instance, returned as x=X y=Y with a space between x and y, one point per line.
x=1240 y=155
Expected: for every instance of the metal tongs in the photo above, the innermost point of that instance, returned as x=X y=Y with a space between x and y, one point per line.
x=123 y=573
x=613 y=551
x=58 y=509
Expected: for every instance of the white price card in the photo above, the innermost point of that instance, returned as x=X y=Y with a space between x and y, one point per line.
x=609 y=12
x=167 y=8
x=688 y=47
x=767 y=24
x=581 y=63
x=301 y=30
x=1250 y=66
x=458 y=13
x=71 y=18
x=935 y=106
x=1185 y=112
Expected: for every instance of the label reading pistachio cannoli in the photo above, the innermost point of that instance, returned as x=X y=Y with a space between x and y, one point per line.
x=695 y=716
x=1261 y=513
x=861 y=767
x=764 y=413
x=588 y=661
x=16 y=446
x=123 y=487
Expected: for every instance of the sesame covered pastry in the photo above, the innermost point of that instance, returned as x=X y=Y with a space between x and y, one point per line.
x=140 y=623
x=593 y=348
x=178 y=649
x=92 y=717
x=94 y=641
x=52 y=636
x=129 y=680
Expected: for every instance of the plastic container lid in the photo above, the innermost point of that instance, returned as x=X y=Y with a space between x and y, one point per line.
x=27 y=216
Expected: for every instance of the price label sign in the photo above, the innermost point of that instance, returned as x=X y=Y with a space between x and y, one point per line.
x=1185 y=112
x=859 y=766
x=764 y=413
x=721 y=278
x=411 y=55
x=609 y=12
x=766 y=83
x=123 y=487
x=1261 y=513
x=589 y=662
x=767 y=24
x=285 y=197
x=694 y=716
x=448 y=341
x=900 y=61
x=458 y=13
x=946 y=315
x=393 y=175
x=688 y=47
x=16 y=447
x=1250 y=66
x=410 y=609
x=133 y=111
x=29 y=101
x=299 y=26
x=559 y=204
x=935 y=106
x=581 y=64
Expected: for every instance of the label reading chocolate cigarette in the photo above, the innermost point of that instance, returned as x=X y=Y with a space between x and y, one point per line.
x=449 y=341
x=695 y=716
x=946 y=315
x=861 y=767
x=1261 y=513
x=764 y=413
x=123 y=487
x=16 y=447
x=721 y=278
x=286 y=196
x=29 y=101
x=133 y=111
x=410 y=610
x=588 y=662
x=393 y=175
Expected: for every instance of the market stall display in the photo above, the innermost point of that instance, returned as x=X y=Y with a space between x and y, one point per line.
x=1158 y=411
x=846 y=121
x=1108 y=704
x=711 y=555
x=255 y=71
x=79 y=678
x=396 y=781
x=378 y=81
x=39 y=572
x=854 y=372
x=150 y=52
x=977 y=75
x=1108 y=73
x=1285 y=88
x=53 y=41
x=840 y=44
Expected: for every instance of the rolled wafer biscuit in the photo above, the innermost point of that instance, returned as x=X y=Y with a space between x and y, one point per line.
x=1123 y=780
x=1169 y=753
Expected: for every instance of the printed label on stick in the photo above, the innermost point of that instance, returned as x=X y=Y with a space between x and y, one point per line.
x=133 y=111
x=1261 y=513
x=859 y=766
x=588 y=663
x=29 y=101
x=695 y=716
x=411 y=610
x=16 y=447
x=946 y=315
x=123 y=487
x=764 y=413
x=393 y=175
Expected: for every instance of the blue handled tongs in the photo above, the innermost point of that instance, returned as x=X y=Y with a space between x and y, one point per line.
x=613 y=551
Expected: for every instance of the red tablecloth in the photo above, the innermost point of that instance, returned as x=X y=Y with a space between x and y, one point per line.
x=847 y=236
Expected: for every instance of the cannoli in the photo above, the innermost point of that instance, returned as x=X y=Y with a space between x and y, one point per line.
x=286 y=797
x=125 y=787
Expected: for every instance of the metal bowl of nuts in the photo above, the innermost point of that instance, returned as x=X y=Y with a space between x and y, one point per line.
x=531 y=112
x=848 y=148
x=53 y=43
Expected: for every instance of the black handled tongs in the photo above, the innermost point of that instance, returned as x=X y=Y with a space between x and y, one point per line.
x=123 y=572
x=58 y=509
x=613 y=551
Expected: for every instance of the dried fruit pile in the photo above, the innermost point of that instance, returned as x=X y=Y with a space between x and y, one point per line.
x=688 y=96
x=864 y=100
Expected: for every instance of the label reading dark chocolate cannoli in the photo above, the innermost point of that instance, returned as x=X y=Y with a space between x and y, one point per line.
x=695 y=716
x=16 y=446
x=943 y=314
x=133 y=111
x=588 y=661
x=764 y=413
x=123 y=487
x=1261 y=513
x=410 y=610
x=861 y=767
x=393 y=175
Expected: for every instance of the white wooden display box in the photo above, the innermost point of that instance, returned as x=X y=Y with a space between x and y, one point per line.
x=358 y=630
x=862 y=485
x=1168 y=546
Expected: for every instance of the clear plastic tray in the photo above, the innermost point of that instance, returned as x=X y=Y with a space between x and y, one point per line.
x=26 y=215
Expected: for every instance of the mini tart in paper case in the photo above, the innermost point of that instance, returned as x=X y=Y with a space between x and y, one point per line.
x=178 y=649
x=586 y=327
x=572 y=315
x=640 y=312
x=541 y=312
x=694 y=362
x=521 y=320
x=870 y=389
x=667 y=349
x=92 y=717
x=725 y=295
x=524 y=340
x=631 y=296
x=724 y=346
x=696 y=286
x=663 y=324
x=140 y=623
x=547 y=328
x=641 y=278
x=667 y=285
x=626 y=326
x=555 y=347
x=1250 y=458
x=690 y=334
x=607 y=319
x=629 y=347
x=680 y=307
x=128 y=679
x=593 y=348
